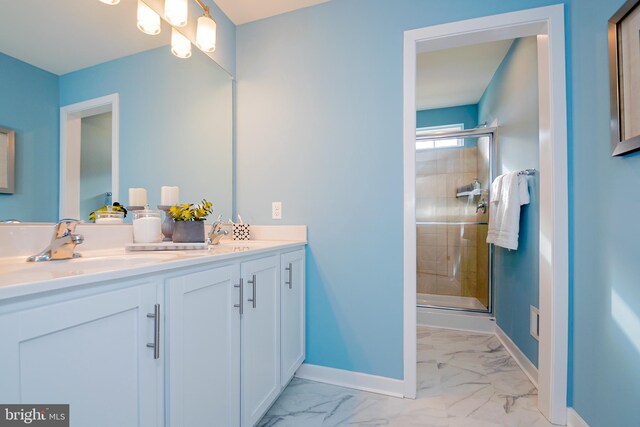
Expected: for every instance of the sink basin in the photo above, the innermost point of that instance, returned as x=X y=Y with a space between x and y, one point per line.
x=107 y=262
x=18 y=270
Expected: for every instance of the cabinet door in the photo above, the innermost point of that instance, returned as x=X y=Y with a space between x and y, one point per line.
x=292 y=312
x=90 y=353
x=260 y=337
x=204 y=348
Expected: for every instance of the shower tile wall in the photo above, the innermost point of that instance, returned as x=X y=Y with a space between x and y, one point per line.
x=450 y=260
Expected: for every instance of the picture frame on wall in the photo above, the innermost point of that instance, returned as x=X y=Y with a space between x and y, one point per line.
x=7 y=160
x=624 y=75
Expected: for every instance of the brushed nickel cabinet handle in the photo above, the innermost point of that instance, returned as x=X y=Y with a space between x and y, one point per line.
x=290 y=270
x=253 y=282
x=241 y=290
x=155 y=345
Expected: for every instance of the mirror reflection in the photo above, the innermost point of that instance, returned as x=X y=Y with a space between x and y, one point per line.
x=95 y=163
x=173 y=124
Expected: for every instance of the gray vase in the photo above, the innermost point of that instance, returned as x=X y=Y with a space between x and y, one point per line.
x=188 y=232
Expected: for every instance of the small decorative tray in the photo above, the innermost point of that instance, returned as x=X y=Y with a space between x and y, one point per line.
x=165 y=246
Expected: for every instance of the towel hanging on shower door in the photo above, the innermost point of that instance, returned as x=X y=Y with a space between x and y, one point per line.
x=509 y=192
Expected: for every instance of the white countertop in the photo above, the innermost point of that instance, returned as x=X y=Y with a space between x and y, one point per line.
x=21 y=278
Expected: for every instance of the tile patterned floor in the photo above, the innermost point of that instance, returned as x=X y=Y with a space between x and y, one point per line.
x=464 y=380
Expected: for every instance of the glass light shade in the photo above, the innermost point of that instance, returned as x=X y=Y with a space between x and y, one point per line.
x=110 y=2
x=206 y=34
x=148 y=20
x=176 y=12
x=180 y=45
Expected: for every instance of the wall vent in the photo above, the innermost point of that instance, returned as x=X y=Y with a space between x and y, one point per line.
x=534 y=322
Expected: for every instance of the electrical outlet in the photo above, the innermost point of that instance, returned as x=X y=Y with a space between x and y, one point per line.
x=276 y=210
x=534 y=322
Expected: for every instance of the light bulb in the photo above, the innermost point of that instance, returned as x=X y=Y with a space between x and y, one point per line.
x=110 y=2
x=180 y=45
x=148 y=20
x=206 y=34
x=176 y=12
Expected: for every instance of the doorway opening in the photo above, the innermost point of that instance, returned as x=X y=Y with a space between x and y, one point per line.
x=77 y=188
x=547 y=25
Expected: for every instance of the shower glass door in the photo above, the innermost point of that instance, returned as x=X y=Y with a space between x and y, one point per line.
x=452 y=213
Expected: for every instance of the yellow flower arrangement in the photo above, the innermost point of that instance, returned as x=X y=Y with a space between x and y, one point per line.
x=190 y=211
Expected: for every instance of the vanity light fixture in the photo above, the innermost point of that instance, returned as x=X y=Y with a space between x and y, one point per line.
x=176 y=12
x=148 y=19
x=180 y=45
x=206 y=31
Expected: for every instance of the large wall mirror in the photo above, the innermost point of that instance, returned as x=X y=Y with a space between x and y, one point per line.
x=172 y=124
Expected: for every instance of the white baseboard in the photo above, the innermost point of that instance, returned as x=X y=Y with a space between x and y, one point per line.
x=525 y=364
x=456 y=320
x=350 y=379
x=574 y=419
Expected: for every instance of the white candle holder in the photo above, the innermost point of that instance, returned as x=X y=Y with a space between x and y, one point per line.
x=167 y=224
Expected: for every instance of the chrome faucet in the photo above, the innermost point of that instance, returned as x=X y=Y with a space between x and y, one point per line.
x=217 y=233
x=63 y=242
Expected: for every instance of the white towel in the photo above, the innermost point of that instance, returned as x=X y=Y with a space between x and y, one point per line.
x=509 y=192
x=496 y=189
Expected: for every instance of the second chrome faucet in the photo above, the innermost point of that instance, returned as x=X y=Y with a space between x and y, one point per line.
x=63 y=243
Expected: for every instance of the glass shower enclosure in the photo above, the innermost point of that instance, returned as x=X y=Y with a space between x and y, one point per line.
x=454 y=171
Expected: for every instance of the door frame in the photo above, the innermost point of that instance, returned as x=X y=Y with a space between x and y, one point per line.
x=70 y=138
x=547 y=23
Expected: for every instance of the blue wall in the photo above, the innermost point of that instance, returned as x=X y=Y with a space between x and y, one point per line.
x=320 y=129
x=332 y=152
x=511 y=100
x=605 y=271
x=29 y=104
x=175 y=123
x=466 y=114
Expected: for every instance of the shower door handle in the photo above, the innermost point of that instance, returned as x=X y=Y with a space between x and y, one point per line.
x=482 y=206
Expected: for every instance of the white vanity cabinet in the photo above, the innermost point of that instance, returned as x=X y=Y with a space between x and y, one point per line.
x=203 y=348
x=292 y=314
x=202 y=342
x=227 y=358
x=90 y=352
x=260 y=334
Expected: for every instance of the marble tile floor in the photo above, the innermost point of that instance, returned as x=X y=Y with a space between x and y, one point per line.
x=464 y=379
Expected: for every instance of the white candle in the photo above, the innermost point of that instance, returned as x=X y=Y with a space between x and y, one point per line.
x=137 y=197
x=169 y=196
x=147 y=230
x=108 y=220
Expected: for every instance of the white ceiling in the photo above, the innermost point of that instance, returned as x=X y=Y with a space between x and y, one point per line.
x=61 y=36
x=243 y=11
x=458 y=76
